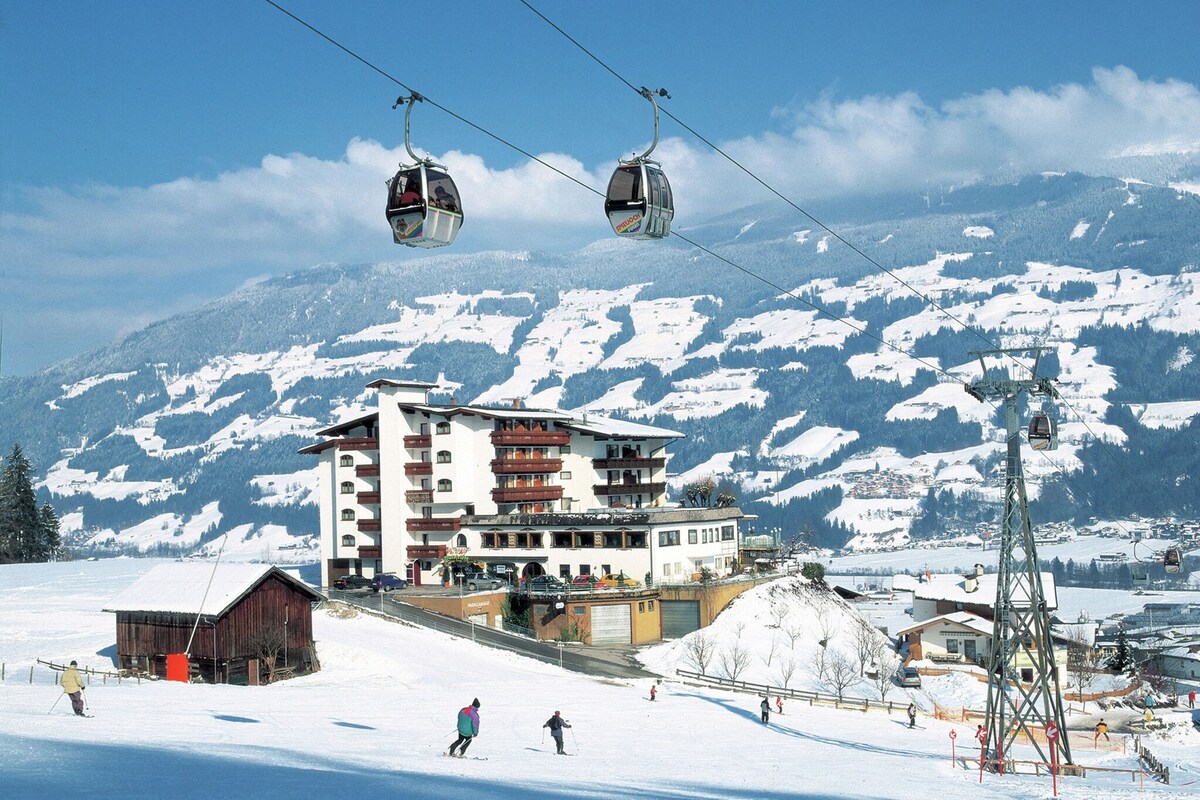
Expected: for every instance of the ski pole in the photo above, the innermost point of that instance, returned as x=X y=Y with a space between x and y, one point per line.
x=60 y=697
x=574 y=741
x=543 y=734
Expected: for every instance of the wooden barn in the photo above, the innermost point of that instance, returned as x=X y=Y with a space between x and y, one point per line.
x=255 y=622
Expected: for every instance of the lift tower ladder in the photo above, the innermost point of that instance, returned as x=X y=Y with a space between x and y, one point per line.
x=1021 y=629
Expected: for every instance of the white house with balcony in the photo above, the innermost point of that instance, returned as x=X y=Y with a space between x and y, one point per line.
x=524 y=491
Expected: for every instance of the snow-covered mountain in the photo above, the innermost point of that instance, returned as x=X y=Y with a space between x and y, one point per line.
x=783 y=370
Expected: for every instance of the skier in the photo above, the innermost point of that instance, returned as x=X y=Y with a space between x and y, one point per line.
x=779 y=705
x=73 y=687
x=653 y=693
x=1192 y=699
x=912 y=715
x=468 y=728
x=1101 y=730
x=765 y=707
x=556 y=724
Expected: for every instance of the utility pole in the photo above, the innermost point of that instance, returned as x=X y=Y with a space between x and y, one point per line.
x=1021 y=639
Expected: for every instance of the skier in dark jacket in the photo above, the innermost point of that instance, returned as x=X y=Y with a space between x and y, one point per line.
x=556 y=724
x=468 y=728
x=912 y=715
x=765 y=707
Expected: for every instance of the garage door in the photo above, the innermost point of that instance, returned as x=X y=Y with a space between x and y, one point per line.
x=610 y=625
x=679 y=617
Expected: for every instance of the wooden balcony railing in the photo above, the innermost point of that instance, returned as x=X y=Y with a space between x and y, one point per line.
x=361 y=443
x=605 y=489
x=418 y=468
x=526 y=494
x=432 y=524
x=368 y=498
x=418 y=496
x=629 y=463
x=530 y=438
x=370 y=551
x=369 y=525
x=367 y=471
x=526 y=466
x=429 y=551
x=418 y=442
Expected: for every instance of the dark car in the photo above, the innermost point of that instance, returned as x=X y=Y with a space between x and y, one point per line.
x=386 y=581
x=545 y=583
x=351 y=582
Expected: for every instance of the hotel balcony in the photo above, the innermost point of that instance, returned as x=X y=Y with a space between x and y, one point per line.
x=418 y=442
x=530 y=438
x=526 y=494
x=418 y=468
x=526 y=466
x=629 y=463
x=604 y=489
x=369 y=525
x=361 y=443
x=418 y=496
x=367 y=471
x=433 y=552
x=421 y=524
x=370 y=551
x=368 y=498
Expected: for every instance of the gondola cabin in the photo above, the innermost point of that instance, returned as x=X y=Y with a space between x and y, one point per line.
x=1171 y=559
x=1043 y=433
x=639 y=202
x=423 y=207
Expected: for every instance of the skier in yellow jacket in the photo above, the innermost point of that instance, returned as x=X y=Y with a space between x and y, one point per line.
x=73 y=687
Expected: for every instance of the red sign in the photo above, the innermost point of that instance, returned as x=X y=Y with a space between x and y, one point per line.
x=1051 y=731
x=953 y=735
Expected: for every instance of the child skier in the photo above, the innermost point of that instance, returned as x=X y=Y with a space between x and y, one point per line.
x=912 y=715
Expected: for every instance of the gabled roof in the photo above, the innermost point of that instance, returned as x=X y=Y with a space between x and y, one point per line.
x=963 y=619
x=953 y=588
x=179 y=588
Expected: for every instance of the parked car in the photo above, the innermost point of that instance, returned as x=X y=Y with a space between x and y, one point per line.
x=910 y=677
x=621 y=581
x=482 y=580
x=387 y=581
x=351 y=582
x=545 y=583
x=588 y=582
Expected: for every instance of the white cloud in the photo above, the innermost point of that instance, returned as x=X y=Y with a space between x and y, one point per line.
x=157 y=244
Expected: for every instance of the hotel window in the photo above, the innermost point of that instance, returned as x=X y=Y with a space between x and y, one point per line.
x=443 y=427
x=565 y=503
x=727 y=533
x=651 y=605
x=635 y=540
x=347 y=487
x=347 y=541
x=347 y=461
x=424 y=429
x=565 y=450
x=692 y=536
x=348 y=514
x=445 y=485
x=641 y=607
x=564 y=571
x=561 y=540
x=668 y=538
x=443 y=457
x=566 y=476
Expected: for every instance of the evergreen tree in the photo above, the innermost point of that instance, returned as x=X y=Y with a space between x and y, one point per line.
x=1122 y=660
x=19 y=521
x=50 y=537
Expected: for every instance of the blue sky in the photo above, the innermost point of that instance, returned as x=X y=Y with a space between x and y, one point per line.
x=155 y=155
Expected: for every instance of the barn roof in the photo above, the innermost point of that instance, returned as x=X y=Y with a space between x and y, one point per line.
x=179 y=588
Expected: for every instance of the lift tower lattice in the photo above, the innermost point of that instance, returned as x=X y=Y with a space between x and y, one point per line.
x=1021 y=629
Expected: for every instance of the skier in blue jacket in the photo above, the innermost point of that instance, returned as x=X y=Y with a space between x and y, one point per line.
x=468 y=728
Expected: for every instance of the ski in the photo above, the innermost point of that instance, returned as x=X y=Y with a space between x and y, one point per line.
x=466 y=758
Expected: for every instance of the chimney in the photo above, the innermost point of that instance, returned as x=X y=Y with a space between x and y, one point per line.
x=516 y=402
x=453 y=402
x=979 y=570
x=971 y=584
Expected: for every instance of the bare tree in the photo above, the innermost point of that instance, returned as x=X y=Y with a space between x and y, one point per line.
x=887 y=661
x=771 y=653
x=785 y=670
x=700 y=648
x=793 y=632
x=818 y=662
x=267 y=645
x=1083 y=664
x=734 y=660
x=827 y=626
x=779 y=612
x=841 y=672
x=864 y=641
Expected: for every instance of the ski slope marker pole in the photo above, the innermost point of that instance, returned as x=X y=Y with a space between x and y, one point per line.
x=953 y=736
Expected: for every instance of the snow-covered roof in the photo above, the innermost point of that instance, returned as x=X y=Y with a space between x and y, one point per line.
x=607 y=426
x=962 y=618
x=953 y=588
x=179 y=588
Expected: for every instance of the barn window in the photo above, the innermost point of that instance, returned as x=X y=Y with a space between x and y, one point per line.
x=445 y=485
x=347 y=541
x=347 y=461
x=443 y=457
x=348 y=514
x=347 y=487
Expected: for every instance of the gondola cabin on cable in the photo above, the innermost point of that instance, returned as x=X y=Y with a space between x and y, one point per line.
x=424 y=208
x=638 y=202
x=1043 y=433
x=1171 y=560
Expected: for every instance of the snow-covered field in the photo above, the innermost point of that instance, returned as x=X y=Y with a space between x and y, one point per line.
x=376 y=719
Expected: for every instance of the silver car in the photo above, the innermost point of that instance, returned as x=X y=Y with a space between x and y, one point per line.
x=483 y=580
